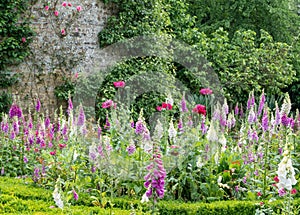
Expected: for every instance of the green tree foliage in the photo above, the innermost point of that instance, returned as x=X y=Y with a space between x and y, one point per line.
x=243 y=59
x=14 y=39
x=277 y=17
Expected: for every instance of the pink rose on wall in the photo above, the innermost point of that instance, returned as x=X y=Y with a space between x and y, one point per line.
x=46 y=7
x=70 y=4
x=56 y=13
x=119 y=84
x=23 y=39
x=206 y=91
x=63 y=32
x=78 y=8
x=64 y=4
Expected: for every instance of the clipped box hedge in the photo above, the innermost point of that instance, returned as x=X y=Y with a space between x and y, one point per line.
x=18 y=197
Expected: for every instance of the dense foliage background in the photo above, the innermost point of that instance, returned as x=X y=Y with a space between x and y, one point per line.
x=251 y=45
x=15 y=36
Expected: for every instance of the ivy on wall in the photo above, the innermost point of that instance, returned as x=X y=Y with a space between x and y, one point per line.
x=15 y=36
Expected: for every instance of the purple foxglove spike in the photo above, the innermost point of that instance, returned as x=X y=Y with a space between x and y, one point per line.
x=241 y=111
x=107 y=124
x=81 y=117
x=99 y=132
x=236 y=109
x=285 y=120
x=277 y=116
x=130 y=149
x=47 y=122
x=16 y=127
x=261 y=103
x=139 y=127
x=64 y=130
x=38 y=106
x=180 y=126
x=12 y=135
x=15 y=110
x=183 y=105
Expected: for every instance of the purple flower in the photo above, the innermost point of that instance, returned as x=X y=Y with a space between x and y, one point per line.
x=281 y=192
x=180 y=125
x=2 y=171
x=47 y=122
x=155 y=177
x=261 y=103
x=15 y=110
x=130 y=149
x=16 y=127
x=70 y=106
x=4 y=127
x=245 y=180
x=183 y=105
x=280 y=151
x=265 y=121
x=236 y=109
x=277 y=116
x=38 y=106
x=75 y=195
x=132 y=124
x=139 y=127
x=99 y=132
x=285 y=120
x=203 y=127
x=93 y=169
x=12 y=135
x=236 y=188
x=107 y=124
x=25 y=159
x=256 y=172
x=64 y=130
x=81 y=117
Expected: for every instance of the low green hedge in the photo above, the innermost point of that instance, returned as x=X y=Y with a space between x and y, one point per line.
x=20 y=197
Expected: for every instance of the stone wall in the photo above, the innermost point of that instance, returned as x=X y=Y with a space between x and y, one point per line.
x=57 y=55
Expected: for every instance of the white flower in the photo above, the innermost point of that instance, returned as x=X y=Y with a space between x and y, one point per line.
x=159 y=130
x=199 y=163
x=172 y=131
x=212 y=134
x=57 y=198
x=144 y=198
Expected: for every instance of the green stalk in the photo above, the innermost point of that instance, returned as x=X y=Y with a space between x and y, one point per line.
x=265 y=172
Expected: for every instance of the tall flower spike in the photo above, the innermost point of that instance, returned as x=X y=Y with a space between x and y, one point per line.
x=286 y=106
x=265 y=120
x=38 y=106
x=183 y=105
x=261 y=103
x=172 y=131
x=81 y=117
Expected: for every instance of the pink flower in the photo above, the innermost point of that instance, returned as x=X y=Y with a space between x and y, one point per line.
x=293 y=191
x=53 y=152
x=23 y=39
x=76 y=75
x=47 y=7
x=107 y=104
x=56 y=13
x=166 y=106
x=205 y=91
x=61 y=146
x=159 y=108
x=119 y=84
x=70 y=4
x=276 y=179
x=261 y=203
x=78 y=8
x=259 y=194
x=63 y=32
x=64 y=4
x=200 y=109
